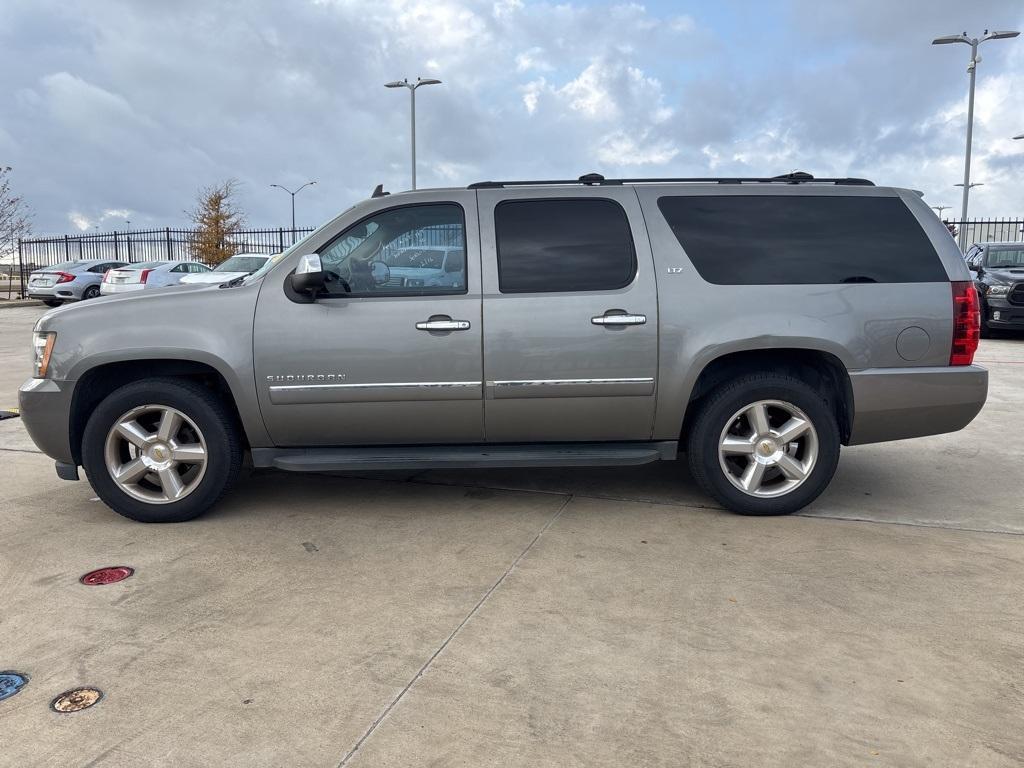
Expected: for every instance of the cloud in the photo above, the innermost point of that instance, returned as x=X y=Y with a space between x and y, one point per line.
x=124 y=106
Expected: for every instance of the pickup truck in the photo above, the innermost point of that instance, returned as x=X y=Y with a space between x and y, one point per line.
x=753 y=326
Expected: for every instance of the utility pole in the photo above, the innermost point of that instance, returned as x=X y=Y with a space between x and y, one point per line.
x=404 y=83
x=972 y=67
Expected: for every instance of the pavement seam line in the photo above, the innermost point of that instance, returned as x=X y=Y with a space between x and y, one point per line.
x=408 y=686
x=906 y=524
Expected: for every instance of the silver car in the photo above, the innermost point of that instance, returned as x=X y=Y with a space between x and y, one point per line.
x=753 y=326
x=69 y=281
x=149 y=274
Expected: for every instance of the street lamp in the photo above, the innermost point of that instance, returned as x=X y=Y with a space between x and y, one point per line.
x=404 y=83
x=940 y=208
x=974 y=42
x=293 y=194
x=973 y=184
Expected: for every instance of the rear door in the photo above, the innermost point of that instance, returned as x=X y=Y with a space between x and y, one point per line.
x=570 y=315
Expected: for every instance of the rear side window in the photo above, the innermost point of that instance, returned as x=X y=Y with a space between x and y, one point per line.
x=562 y=244
x=802 y=240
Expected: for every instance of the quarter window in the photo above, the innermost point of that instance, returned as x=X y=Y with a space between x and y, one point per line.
x=414 y=250
x=563 y=245
x=801 y=239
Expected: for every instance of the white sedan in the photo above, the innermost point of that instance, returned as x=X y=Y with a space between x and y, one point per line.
x=237 y=266
x=149 y=274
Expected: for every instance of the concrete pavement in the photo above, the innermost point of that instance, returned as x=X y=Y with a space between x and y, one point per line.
x=527 y=617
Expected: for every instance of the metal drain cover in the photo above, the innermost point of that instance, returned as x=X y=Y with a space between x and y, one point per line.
x=76 y=699
x=110 y=575
x=11 y=683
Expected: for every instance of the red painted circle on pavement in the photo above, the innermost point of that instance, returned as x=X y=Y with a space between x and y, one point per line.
x=107 y=575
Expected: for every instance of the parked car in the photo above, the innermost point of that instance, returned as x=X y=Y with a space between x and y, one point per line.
x=430 y=266
x=235 y=267
x=999 y=277
x=149 y=274
x=755 y=325
x=69 y=281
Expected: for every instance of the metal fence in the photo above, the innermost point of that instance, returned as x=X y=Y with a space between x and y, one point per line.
x=168 y=243
x=144 y=245
x=988 y=231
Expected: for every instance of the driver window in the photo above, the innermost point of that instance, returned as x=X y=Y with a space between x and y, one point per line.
x=416 y=250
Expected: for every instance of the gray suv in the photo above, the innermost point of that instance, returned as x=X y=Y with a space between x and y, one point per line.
x=754 y=325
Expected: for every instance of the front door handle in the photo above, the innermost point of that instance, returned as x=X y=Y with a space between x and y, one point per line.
x=624 y=319
x=442 y=323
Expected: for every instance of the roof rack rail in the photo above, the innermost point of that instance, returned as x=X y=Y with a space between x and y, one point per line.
x=596 y=179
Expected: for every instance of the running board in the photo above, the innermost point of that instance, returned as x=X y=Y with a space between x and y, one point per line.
x=464 y=456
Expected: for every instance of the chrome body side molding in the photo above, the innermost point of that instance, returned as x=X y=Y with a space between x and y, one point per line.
x=528 y=388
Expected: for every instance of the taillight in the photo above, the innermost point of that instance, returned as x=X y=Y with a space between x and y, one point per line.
x=64 y=277
x=144 y=275
x=966 y=323
x=106 y=276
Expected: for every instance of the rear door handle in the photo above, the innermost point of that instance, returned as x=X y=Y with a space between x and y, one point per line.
x=619 y=320
x=443 y=324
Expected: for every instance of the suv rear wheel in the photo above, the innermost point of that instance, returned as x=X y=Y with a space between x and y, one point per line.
x=765 y=444
x=161 y=450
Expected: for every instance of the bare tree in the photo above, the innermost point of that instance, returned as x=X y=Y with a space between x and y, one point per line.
x=216 y=217
x=15 y=223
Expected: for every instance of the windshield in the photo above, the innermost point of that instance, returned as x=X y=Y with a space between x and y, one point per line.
x=62 y=266
x=1005 y=257
x=241 y=264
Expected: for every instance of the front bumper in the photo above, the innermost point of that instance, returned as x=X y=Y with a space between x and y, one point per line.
x=1001 y=314
x=46 y=413
x=897 y=403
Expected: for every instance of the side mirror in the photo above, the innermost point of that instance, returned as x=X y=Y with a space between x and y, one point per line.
x=309 y=275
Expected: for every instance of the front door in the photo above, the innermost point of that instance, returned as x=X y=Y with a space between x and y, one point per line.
x=570 y=315
x=392 y=355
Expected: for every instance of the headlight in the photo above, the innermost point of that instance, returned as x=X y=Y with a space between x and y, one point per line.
x=998 y=290
x=42 y=346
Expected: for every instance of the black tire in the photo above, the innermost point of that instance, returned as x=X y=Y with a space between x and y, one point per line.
x=91 y=292
x=715 y=413
x=210 y=414
x=52 y=302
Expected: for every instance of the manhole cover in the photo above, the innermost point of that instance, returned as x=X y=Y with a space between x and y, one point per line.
x=76 y=699
x=11 y=683
x=107 y=575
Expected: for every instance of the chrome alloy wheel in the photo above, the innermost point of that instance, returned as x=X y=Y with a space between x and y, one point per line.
x=768 y=448
x=156 y=454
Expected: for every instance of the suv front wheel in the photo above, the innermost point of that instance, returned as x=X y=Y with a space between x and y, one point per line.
x=161 y=450
x=764 y=444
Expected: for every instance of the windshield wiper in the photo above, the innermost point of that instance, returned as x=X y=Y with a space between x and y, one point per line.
x=234 y=282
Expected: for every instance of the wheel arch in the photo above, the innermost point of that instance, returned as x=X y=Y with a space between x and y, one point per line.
x=97 y=382
x=820 y=369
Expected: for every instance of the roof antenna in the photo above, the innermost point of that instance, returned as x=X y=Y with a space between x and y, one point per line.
x=591 y=178
x=378 y=191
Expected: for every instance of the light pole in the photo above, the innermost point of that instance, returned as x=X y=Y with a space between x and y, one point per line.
x=972 y=67
x=940 y=208
x=404 y=83
x=293 y=194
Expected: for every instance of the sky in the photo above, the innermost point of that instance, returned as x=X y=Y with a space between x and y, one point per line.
x=115 y=110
